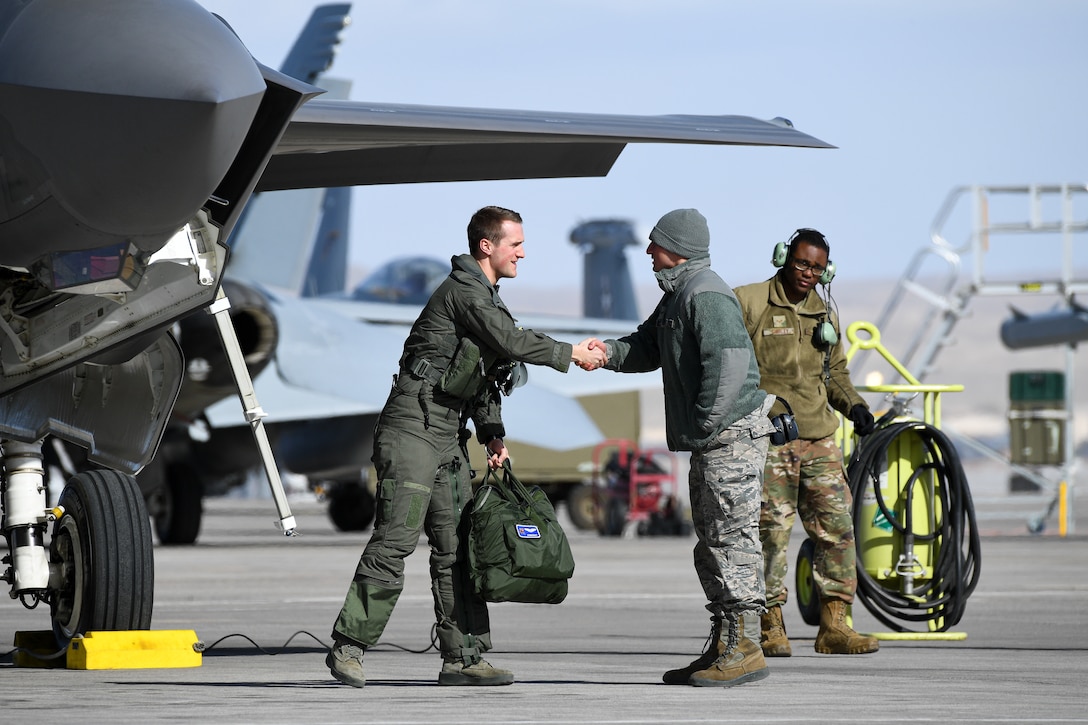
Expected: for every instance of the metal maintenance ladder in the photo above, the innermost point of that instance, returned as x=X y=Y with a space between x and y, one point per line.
x=1046 y=210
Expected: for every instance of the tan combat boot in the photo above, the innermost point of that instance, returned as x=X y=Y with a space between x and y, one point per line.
x=772 y=634
x=836 y=637
x=714 y=648
x=477 y=671
x=345 y=663
x=742 y=660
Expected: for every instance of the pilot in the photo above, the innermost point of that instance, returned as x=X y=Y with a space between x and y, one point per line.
x=801 y=359
x=455 y=357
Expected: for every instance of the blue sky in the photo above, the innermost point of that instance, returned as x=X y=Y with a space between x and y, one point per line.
x=920 y=97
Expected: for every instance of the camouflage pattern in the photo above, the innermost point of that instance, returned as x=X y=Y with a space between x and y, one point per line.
x=725 y=483
x=806 y=478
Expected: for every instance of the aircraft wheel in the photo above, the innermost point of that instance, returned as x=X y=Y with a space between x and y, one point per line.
x=808 y=599
x=582 y=507
x=351 y=507
x=180 y=508
x=103 y=552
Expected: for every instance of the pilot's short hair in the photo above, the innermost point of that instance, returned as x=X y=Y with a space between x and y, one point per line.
x=487 y=224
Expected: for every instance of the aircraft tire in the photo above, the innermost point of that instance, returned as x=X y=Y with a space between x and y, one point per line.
x=103 y=546
x=182 y=507
x=808 y=599
x=351 y=507
x=582 y=507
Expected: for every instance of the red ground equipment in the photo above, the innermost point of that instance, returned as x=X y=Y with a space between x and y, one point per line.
x=638 y=488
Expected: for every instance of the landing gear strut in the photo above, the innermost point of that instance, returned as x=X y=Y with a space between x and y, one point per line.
x=98 y=570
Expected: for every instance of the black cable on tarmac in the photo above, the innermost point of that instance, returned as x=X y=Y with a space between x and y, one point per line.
x=941 y=599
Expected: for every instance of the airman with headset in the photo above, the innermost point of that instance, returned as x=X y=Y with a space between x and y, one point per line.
x=796 y=341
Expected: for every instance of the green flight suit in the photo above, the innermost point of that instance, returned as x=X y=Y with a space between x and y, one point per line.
x=423 y=477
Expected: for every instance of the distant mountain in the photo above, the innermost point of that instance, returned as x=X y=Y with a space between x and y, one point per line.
x=975 y=357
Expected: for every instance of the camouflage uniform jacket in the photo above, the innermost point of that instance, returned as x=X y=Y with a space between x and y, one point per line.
x=467 y=305
x=792 y=365
x=697 y=337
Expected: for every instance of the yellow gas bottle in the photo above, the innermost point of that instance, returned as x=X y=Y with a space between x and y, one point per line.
x=898 y=522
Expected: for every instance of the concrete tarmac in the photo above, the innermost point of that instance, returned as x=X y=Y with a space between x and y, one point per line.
x=264 y=604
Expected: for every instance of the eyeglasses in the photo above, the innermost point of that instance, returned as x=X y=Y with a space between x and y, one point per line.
x=802 y=265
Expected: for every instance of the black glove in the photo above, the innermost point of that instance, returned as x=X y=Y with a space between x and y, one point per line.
x=862 y=420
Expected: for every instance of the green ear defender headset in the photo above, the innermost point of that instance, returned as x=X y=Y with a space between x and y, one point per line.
x=825 y=334
x=782 y=254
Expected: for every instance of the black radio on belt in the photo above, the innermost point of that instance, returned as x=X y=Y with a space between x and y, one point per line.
x=785 y=427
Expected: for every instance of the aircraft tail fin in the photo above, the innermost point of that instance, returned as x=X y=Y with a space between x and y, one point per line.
x=313 y=51
x=297 y=240
x=607 y=290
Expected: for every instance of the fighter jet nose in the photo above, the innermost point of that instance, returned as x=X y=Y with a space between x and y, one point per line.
x=127 y=127
x=172 y=49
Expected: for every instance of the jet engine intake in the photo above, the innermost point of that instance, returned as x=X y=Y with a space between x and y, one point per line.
x=208 y=375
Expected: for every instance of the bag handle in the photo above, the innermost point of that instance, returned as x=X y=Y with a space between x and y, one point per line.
x=510 y=483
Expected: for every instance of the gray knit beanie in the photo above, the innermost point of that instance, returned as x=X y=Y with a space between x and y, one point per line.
x=683 y=232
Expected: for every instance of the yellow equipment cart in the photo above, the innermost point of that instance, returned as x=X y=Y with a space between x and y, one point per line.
x=914 y=523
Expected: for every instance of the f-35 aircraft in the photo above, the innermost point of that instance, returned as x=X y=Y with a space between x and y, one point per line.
x=132 y=135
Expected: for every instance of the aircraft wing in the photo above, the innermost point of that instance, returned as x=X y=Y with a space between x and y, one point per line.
x=330 y=363
x=338 y=143
x=388 y=325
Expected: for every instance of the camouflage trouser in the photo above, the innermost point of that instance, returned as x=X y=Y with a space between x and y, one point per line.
x=806 y=478
x=422 y=487
x=724 y=484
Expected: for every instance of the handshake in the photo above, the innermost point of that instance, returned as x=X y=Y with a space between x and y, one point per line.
x=589 y=354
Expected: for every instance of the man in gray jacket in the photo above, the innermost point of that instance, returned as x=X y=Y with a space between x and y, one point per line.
x=460 y=352
x=715 y=409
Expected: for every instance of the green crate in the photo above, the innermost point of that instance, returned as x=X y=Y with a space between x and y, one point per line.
x=1037 y=387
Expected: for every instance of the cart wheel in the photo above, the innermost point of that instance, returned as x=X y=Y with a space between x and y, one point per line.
x=808 y=599
x=615 y=517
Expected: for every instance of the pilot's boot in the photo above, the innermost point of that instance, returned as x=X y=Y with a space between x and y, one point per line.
x=714 y=647
x=479 y=671
x=836 y=637
x=742 y=661
x=345 y=662
x=772 y=634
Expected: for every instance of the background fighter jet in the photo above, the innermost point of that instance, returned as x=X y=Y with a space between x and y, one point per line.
x=132 y=135
x=329 y=377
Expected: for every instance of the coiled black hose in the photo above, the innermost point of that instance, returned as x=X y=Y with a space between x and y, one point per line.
x=940 y=600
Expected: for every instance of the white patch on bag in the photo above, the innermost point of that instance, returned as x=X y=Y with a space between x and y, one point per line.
x=527 y=531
